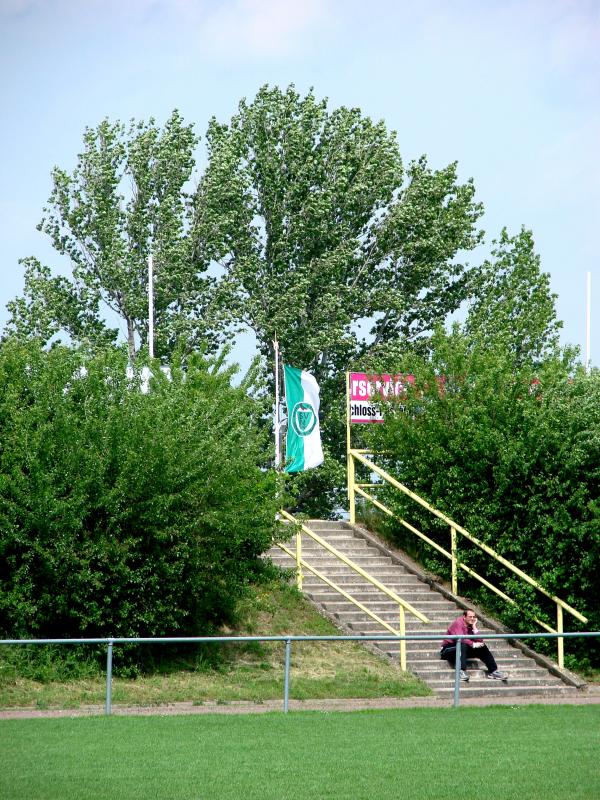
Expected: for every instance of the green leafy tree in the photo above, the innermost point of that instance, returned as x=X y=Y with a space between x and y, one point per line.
x=513 y=303
x=124 y=513
x=53 y=303
x=317 y=227
x=308 y=216
x=125 y=199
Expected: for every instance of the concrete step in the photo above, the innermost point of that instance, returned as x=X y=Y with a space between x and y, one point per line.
x=509 y=656
x=386 y=574
x=430 y=648
x=435 y=679
x=368 y=590
x=358 y=584
x=407 y=593
x=349 y=546
x=446 y=672
x=364 y=625
x=535 y=684
x=431 y=659
x=284 y=560
x=331 y=536
x=434 y=606
x=427 y=605
x=393 y=574
x=328 y=524
x=514 y=689
x=524 y=666
x=327 y=560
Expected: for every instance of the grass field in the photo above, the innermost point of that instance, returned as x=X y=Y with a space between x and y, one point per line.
x=522 y=752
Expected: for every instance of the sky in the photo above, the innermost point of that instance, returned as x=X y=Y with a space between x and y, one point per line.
x=510 y=89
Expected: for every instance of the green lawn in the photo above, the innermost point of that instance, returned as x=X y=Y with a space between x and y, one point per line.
x=522 y=752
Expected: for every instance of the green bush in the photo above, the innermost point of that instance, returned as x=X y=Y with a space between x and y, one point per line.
x=124 y=513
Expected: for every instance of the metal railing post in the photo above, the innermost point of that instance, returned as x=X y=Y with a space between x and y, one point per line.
x=350 y=459
x=454 y=551
x=560 y=641
x=286 y=677
x=299 y=560
x=457 y=672
x=402 y=641
x=351 y=489
x=109 y=665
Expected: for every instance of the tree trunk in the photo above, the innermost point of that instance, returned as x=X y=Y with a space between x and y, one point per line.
x=131 y=340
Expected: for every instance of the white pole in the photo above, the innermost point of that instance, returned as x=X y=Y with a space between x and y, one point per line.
x=150 y=307
x=276 y=423
x=588 y=317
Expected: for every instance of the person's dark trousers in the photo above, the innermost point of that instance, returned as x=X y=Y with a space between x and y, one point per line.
x=448 y=653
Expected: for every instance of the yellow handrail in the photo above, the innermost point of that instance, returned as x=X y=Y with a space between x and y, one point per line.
x=358 y=488
x=403 y=605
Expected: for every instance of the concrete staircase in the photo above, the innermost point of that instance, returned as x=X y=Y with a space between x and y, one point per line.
x=528 y=674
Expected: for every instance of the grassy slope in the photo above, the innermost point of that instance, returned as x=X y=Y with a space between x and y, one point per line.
x=507 y=753
x=241 y=672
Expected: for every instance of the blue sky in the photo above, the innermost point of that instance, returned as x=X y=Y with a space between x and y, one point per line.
x=510 y=90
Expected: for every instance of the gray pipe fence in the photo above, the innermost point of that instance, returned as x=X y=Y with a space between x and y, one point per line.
x=287 y=640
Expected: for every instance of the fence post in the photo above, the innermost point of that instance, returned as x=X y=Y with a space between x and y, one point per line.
x=109 y=664
x=453 y=550
x=286 y=677
x=560 y=641
x=457 y=672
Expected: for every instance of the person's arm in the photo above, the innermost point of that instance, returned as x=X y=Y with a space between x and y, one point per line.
x=477 y=642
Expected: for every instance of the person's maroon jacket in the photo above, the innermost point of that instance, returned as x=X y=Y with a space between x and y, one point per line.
x=459 y=628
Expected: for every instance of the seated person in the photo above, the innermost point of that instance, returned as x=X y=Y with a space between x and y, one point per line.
x=471 y=647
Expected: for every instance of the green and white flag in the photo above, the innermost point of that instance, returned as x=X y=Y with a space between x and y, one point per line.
x=303 y=440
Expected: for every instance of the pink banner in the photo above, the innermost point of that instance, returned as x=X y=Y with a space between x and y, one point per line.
x=365 y=388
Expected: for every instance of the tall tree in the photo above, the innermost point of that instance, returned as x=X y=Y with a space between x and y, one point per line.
x=125 y=199
x=317 y=227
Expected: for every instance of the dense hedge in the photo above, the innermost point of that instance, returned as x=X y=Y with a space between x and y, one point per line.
x=125 y=513
x=513 y=455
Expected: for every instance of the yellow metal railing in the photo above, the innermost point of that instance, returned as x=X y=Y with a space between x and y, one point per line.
x=302 y=564
x=355 y=488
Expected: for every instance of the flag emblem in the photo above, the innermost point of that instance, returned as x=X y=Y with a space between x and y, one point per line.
x=303 y=419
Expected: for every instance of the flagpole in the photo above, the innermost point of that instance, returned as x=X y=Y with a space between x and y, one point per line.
x=276 y=422
x=588 y=318
x=349 y=459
